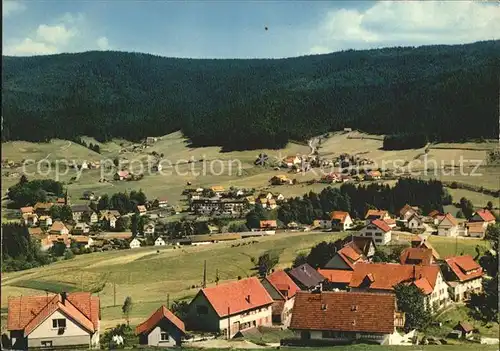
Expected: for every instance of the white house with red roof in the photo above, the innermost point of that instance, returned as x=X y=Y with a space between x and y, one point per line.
x=376 y=214
x=282 y=289
x=67 y=321
x=377 y=229
x=161 y=329
x=484 y=216
x=383 y=277
x=230 y=307
x=464 y=276
x=341 y=220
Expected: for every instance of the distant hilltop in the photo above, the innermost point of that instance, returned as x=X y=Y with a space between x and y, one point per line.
x=447 y=93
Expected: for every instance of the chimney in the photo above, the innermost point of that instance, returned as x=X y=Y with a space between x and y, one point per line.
x=248 y=298
x=63 y=297
x=414 y=273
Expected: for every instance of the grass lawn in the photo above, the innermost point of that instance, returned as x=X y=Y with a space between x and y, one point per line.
x=478 y=199
x=459 y=313
x=364 y=347
x=149 y=276
x=450 y=247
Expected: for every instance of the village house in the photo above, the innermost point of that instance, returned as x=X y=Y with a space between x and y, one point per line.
x=149 y=229
x=230 y=308
x=271 y=204
x=64 y=320
x=250 y=200
x=484 y=216
x=82 y=241
x=36 y=232
x=363 y=245
x=161 y=329
x=122 y=175
x=373 y=175
x=135 y=243
x=162 y=202
x=338 y=271
x=82 y=213
x=45 y=221
x=415 y=222
x=49 y=240
x=464 y=330
x=109 y=218
x=280 y=180
x=263 y=202
x=81 y=229
x=341 y=220
x=464 y=276
x=43 y=208
x=141 y=210
x=29 y=220
x=150 y=140
x=383 y=277
x=448 y=226
x=89 y=195
x=417 y=256
x=292 y=161
x=282 y=289
x=269 y=224
x=476 y=229
x=217 y=189
x=322 y=223
x=160 y=241
x=58 y=228
x=216 y=205
x=28 y=210
x=379 y=231
x=306 y=277
x=61 y=201
x=408 y=211
x=344 y=317
x=376 y=214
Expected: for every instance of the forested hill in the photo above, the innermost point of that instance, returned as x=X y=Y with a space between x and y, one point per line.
x=444 y=92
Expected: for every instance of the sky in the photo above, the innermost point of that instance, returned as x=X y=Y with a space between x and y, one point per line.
x=237 y=29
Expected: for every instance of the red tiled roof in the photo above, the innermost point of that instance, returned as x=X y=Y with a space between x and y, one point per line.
x=450 y=218
x=57 y=226
x=237 y=296
x=282 y=281
x=389 y=221
x=336 y=275
x=418 y=241
x=434 y=213
x=344 y=311
x=384 y=276
x=464 y=267
x=26 y=313
x=28 y=209
x=156 y=317
x=485 y=215
x=349 y=255
x=268 y=223
x=375 y=213
x=412 y=254
x=424 y=285
x=339 y=215
x=405 y=209
x=382 y=225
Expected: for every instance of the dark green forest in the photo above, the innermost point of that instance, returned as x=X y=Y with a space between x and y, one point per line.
x=447 y=93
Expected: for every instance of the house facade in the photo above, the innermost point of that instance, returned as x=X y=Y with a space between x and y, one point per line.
x=448 y=226
x=341 y=220
x=135 y=243
x=345 y=317
x=80 y=211
x=230 y=308
x=161 y=329
x=159 y=241
x=415 y=222
x=371 y=215
x=379 y=231
x=483 y=215
x=63 y=320
x=464 y=277
x=282 y=289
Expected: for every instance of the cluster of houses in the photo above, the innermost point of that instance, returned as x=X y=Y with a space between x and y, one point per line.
x=350 y=299
x=337 y=177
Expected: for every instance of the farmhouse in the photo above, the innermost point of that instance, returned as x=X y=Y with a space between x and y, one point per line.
x=82 y=212
x=135 y=243
x=282 y=289
x=45 y=221
x=231 y=307
x=362 y=245
x=81 y=228
x=338 y=270
x=408 y=211
x=268 y=225
x=345 y=317
x=476 y=229
x=159 y=241
x=376 y=214
x=464 y=276
x=306 y=277
x=322 y=223
x=162 y=202
x=109 y=218
x=373 y=175
x=483 y=215
x=29 y=220
x=27 y=210
x=415 y=222
x=422 y=242
x=141 y=209
x=58 y=228
x=379 y=231
x=291 y=161
x=382 y=277
x=217 y=189
x=215 y=205
x=82 y=241
x=43 y=208
x=122 y=175
x=149 y=229
x=280 y=180
x=341 y=220
x=448 y=226
x=63 y=320
x=161 y=329
x=417 y=256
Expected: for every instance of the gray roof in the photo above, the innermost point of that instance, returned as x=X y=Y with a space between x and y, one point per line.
x=80 y=208
x=306 y=275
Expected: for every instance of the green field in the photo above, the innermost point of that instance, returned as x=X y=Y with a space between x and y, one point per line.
x=361 y=347
x=148 y=277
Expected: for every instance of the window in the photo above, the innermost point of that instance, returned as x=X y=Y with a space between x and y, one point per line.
x=164 y=335
x=378 y=234
x=378 y=240
x=327 y=334
x=47 y=343
x=202 y=309
x=59 y=323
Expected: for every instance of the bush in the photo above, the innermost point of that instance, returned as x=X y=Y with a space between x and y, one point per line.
x=68 y=255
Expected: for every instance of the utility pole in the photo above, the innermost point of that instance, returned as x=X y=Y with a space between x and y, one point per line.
x=204 y=274
x=168 y=301
x=81 y=281
x=114 y=294
x=228 y=323
x=456 y=245
x=217 y=276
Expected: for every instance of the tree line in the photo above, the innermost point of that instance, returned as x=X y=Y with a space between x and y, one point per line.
x=245 y=104
x=28 y=193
